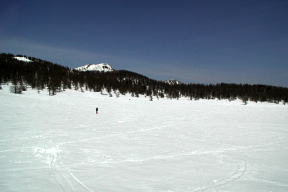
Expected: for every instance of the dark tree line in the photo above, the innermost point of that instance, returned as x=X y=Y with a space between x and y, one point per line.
x=41 y=74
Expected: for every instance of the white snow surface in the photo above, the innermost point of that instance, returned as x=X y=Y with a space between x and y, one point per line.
x=102 y=67
x=58 y=143
x=25 y=59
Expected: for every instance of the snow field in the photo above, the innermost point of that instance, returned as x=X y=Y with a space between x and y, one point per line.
x=58 y=143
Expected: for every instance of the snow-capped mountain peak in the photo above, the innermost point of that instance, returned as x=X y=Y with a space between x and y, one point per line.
x=102 y=67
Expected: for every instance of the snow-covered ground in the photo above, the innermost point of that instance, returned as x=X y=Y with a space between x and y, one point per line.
x=58 y=143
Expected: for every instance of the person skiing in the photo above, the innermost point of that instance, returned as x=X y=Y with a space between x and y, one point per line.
x=96 y=110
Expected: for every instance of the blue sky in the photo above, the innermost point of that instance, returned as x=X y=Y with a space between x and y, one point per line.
x=204 y=41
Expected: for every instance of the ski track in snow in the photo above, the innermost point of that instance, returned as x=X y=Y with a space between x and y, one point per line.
x=240 y=171
x=141 y=145
x=52 y=157
x=76 y=179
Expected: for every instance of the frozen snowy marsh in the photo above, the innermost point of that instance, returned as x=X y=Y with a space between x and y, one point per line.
x=58 y=143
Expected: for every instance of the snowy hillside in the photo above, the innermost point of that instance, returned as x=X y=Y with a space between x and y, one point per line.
x=58 y=143
x=102 y=67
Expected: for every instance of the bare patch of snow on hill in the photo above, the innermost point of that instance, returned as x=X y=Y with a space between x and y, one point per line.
x=25 y=59
x=173 y=82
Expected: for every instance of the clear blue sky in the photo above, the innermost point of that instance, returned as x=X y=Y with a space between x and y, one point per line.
x=204 y=41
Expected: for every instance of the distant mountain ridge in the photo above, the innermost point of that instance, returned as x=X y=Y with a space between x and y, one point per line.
x=23 y=72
